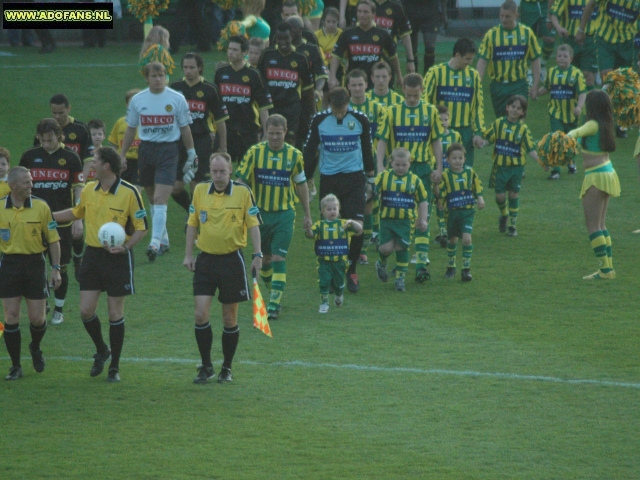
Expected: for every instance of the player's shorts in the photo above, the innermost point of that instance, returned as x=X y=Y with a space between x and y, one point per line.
x=396 y=229
x=506 y=179
x=225 y=273
x=292 y=114
x=350 y=190
x=559 y=126
x=23 y=276
x=534 y=15
x=204 y=149
x=615 y=55
x=460 y=221
x=131 y=173
x=331 y=273
x=585 y=56
x=66 y=245
x=467 y=142
x=157 y=163
x=238 y=144
x=603 y=177
x=276 y=232
x=501 y=92
x=106 y=272
x=423 y=171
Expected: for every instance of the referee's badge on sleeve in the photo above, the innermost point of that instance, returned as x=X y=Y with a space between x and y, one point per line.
x=203 y=216
x=253 y=211
x=52 y=225
x=5 y=234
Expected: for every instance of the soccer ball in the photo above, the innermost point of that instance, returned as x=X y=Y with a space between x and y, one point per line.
x=112 y=233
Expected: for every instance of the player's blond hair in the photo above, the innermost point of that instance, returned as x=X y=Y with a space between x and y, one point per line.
x=329 y=199
x=566 y=48
x=153 y=67
x=400 y=152
x=158 y=35
x=276 y=120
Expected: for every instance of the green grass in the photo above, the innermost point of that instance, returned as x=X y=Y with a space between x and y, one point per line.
x=527 y=372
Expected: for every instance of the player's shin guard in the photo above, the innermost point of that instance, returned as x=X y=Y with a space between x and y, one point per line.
x=607 y=240
x=278 y=283
x=402 y=263
x=368 y=230
x=230 y=337
x=266 y=274
x=13 y=341
x=451 y=254
x=116 y=340
x=94 y=329
x=599 y=245
x=514 y=205
x=467 y=251
x=204 y=339
x=159 y=224
x=354 y=253
x=502 y=206
x=422 y=249
x=37 y=333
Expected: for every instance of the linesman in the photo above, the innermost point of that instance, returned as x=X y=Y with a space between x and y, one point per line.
x=26 y=227
x=108 y=199
x=221 y=214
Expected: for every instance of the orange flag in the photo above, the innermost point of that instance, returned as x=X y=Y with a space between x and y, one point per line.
x=260 y=311
x=1 y=329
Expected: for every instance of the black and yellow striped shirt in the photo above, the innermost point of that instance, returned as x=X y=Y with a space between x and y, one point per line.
x=460 y=91
x=332 y=239
x=618 y=20
x=459 y=190
x=564 y=87
x=569 y=13
x=272 y=175
x=512 y=142
x=414 y=128
x=399 y=196
x=508 y=52
x=23 y=229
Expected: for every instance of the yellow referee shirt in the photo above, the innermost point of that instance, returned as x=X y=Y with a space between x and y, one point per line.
x=23 y=229
x=4 y=188
x=223 y=217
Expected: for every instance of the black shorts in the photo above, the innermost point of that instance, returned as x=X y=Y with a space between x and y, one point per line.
x=107 y=272
x=66 y=245
x=223 y=272
x=292 y=114
x=350 y=190
x=23 y=276
x=204 y=149
x=131 y=173
x=238 y=144
x=157 y=163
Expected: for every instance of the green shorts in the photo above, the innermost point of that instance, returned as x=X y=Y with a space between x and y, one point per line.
x=276 y=231
x=501 y=92
x=534 y=15
x=460 y=221
x=506 y=179
x=331 y=273
x=615 y=55
x=423 y=171
x=585 y=56
x=467 y=141
x=396 y=229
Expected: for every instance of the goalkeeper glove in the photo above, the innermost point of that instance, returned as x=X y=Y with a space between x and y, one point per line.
x=192 y=161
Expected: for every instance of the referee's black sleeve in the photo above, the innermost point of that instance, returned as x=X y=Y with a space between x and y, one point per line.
x=310 y=153
x=367 y=149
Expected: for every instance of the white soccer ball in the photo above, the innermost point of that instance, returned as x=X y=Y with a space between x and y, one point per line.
x=112 y=233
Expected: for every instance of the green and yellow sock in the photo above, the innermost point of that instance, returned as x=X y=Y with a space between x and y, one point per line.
x=441 y=223
x=502 y=206
x=266 y=273
x=422 y=252
x=514 y=204
x=467 y=251
x=367 y=231
x=383 y=258
x=607 y=240
x=451 y=254
x=599 y=245
x=402 y=263
x=278 y=284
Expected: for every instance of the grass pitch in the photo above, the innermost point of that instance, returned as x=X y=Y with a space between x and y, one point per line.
x=527 y=372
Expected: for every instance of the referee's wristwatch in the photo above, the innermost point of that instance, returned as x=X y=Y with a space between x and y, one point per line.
x=259 y=254
x=56 y=267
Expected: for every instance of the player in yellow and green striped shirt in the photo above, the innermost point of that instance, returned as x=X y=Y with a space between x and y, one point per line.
x=401 y=194
x=415 y=125
x=271 y=169
x=568 y=94
x=457 y=85
x=460 y=189
x=505 y=52
x=513 y=141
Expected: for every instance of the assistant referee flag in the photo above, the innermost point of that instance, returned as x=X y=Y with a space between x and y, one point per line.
x=260 y=311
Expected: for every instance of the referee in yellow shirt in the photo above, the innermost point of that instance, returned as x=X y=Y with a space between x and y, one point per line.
x=222 y=211
x=108 y=199
x=25 y=225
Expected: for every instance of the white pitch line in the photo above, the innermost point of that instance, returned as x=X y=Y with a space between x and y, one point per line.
x=77 y=65
x=372 y=368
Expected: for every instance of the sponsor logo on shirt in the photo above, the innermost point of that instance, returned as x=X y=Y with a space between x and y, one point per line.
x=148 y=120
x=455 y=94
x=364 y=48
x=510 y=53
x=197 y=106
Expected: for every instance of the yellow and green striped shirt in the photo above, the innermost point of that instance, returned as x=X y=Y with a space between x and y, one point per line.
x=512 y=142
x=332 y=240
x=460 y=91
x=399 y=196
x=414 y=128
x=391 y=98
x=459 y=190
x=508 y=52
x=618 y=20
x=569 y=13
x=374 y=112
x=447 y=139
x=271 y=175
x=564 y=86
